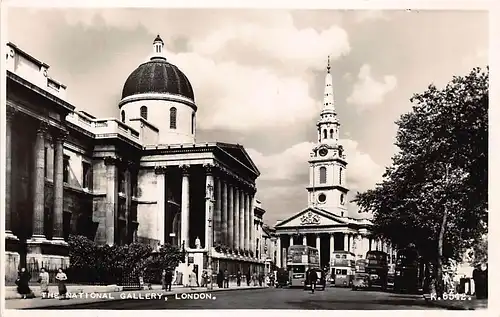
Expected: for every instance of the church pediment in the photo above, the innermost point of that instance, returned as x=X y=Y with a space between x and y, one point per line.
x=311 y=217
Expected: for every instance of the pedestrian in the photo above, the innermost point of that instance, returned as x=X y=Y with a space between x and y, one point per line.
x=254 y=278
x=168 y=280
x=61 y=279
x=220 y=279
x=22 y=282
x=249 y=277
x=480 y=277
x=163 y=279
x=226 y=278
x=196 y=275
x=192 y=280
x=204 y=279
x=238 y=278
x=43 y=279
x=313 y=277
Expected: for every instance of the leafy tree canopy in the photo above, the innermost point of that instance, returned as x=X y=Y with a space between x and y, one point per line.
x=442 y=164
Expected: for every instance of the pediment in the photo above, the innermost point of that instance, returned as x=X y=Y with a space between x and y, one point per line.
x=239 y=153
x=311 y=217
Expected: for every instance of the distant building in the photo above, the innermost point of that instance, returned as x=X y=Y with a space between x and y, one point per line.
x=140 y=178
x=325 y=223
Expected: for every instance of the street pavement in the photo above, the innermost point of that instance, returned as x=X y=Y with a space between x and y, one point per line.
x=270 y=298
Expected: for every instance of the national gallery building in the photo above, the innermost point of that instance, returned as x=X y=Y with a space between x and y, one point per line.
x=139 y=178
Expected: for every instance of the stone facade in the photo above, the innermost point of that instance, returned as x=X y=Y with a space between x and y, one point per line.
x=120 y=181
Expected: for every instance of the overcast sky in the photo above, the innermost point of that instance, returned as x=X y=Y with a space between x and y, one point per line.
x=258 y=75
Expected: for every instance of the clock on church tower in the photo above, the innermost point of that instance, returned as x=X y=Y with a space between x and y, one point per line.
x=327 y=166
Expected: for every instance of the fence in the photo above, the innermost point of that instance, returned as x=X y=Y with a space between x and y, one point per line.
x=93 y=276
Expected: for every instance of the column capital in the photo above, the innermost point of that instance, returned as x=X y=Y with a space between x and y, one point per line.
x=160 y=170
x=43 y=127
x=185 y=169
x=110 y=160
x=11 y=113
x=209 y=168
x=61 y=135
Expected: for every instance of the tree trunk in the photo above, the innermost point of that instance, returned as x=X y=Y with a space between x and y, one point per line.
x=439 y=269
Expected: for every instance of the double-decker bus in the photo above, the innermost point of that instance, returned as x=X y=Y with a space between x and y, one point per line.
x=300 y=259
x=408 y=271
x=342 y=268
x=377 y=269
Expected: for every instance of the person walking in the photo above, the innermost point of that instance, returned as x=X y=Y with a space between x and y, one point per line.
x=313 y=278
x=204 y=279
x=22 y=282
x=61 y=279
x=238 y=278
x=226 y=278
x=192 y=280
x=168 y=280
x=163 y=279
x=480 y=277
x=254 y=279
x=249 y=277
x=220 y=279
x=43 y=279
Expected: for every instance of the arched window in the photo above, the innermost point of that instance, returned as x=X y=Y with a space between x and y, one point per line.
x=322 y=175
x=325 y=134
x=144 y=112
x=123 y=116
x=331 y=133
x=173 y=118
x=192 y=123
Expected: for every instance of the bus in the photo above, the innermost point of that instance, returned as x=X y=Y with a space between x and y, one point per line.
x=300 y=259
x=377 y=269
x=408 y=271
x=342 y=268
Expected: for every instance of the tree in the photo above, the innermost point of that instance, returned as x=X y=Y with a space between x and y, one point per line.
x=435 y=193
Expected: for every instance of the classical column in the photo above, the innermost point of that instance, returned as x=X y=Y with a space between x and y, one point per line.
x=247 y=221
x=230 y=223
x=225 y=233
x=242 y=220
x=370 y=244
x=351 y=242
x=209 y=205
x=160 y=212
x=252 y=231
x=111 y=212
x=185 y=206
x=346 y=241
x=236 y=219
x=58 y=185
x=291 y=240
x=278 y=251
x=304 y=239
x=332 y=243
x=9 y=206
x=39 y=183
x=318 y=246
x=218 y=211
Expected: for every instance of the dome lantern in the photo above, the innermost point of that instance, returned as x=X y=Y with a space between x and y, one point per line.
x=158 y=49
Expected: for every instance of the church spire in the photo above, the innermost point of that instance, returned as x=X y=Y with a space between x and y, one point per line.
x=328 y=103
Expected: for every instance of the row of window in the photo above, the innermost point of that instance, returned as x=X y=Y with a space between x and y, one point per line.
x=322 y=175
x=325 y=134
x=173 y=117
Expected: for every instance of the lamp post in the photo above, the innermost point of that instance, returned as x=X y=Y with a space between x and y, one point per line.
x=209 y=197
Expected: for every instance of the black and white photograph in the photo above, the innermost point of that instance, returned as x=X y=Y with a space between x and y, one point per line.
x=176 y=158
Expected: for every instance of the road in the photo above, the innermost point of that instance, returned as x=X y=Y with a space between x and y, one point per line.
x=272 y=298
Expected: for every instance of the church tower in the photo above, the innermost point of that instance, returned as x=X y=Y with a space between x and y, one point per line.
x=327 y=166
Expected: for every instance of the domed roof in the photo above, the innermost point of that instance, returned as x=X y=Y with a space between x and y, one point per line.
x=158 y=76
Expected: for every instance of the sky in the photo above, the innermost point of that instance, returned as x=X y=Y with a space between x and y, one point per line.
x=258 y=75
